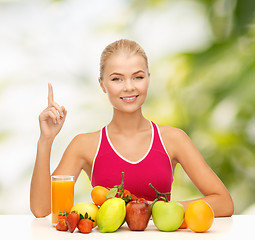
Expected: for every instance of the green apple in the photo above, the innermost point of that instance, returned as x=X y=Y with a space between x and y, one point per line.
x=167 y=216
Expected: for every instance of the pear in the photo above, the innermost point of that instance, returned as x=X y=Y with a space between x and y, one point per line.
x=111 y=215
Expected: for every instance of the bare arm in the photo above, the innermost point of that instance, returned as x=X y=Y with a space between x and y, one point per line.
x=74 y=159
x=51 y=121
x=207 y=182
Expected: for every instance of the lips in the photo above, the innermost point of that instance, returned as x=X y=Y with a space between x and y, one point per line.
x=129 y=99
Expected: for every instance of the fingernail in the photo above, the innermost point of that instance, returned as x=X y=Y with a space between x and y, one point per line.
x=62 y=114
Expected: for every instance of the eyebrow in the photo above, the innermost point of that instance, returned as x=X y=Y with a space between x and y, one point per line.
x=139 y=71
x=115 y=73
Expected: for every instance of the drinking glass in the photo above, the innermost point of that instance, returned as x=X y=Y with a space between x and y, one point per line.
x=62 y=195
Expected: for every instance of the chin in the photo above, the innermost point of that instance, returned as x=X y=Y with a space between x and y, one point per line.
x=130 y=109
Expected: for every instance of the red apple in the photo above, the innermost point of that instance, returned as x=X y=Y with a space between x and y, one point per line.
x=138 y=214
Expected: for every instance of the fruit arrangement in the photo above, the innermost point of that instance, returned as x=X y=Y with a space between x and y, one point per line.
x=112 y=207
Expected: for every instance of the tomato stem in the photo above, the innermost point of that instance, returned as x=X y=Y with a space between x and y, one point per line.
x=160 y=194
x=121 y=186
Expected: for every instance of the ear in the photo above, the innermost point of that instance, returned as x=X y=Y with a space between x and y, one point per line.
x=102 y=84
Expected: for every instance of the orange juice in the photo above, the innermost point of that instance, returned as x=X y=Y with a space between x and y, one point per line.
x=62 y=195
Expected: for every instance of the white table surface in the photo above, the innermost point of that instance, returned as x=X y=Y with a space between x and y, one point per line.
x=28 y=227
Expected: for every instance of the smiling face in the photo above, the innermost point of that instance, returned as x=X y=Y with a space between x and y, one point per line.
x=126 y=81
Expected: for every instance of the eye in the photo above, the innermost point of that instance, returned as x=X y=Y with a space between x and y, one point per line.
x=139 y=77
x=116 y=79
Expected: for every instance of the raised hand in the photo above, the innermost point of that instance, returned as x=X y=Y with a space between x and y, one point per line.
x=52 y=118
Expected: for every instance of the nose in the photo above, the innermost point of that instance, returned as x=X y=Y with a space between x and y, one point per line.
x=129 y=85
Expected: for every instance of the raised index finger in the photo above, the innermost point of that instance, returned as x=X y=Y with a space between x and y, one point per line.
x=50 y=94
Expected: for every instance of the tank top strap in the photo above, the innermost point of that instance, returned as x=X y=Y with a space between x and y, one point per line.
x=158 y=143
x=104 y=144
x=156 y=133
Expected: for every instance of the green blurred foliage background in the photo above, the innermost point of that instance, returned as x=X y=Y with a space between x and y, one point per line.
x=205 y=88
x=210 y=94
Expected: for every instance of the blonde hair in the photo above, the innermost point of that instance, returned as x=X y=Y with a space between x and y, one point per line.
x=121 y=46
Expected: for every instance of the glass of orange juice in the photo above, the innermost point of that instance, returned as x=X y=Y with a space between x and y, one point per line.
x=62 y=195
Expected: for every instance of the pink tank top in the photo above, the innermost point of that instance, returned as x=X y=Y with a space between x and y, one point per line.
x=155 y=167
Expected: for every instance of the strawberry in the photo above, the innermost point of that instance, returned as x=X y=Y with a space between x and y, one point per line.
x=86 y=224
x=72 y=221
x=62 y=215
x=61 y=225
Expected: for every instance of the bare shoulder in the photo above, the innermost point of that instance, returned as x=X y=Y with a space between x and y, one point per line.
x=79 y=154
x=86 y=141
x=171 y=133
x=88 y=138
x=174 y=140
x=84 y=147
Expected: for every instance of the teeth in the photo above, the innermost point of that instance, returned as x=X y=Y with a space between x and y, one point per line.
x=129 y=98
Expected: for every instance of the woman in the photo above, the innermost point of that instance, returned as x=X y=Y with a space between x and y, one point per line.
x=146 y=152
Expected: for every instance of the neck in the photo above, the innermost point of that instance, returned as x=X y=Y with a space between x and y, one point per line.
x=128 y=122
